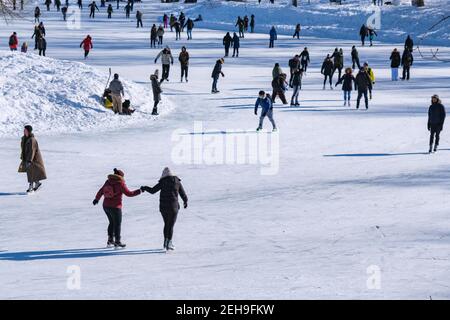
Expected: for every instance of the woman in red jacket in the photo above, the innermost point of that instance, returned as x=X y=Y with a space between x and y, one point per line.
x=13 y=42
x=87 y=45
x=112 y=191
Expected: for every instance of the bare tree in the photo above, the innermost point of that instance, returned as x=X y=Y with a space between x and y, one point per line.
x=8 y=8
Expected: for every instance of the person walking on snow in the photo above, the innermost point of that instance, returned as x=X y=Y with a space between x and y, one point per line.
x=166 y=60
x=355 y=58
x=240 y=25
x=227 y=40
x=363 y=32
x=372 y=33
x=160 y=34
x=371 y=75
x=217 y=71
x=153 y=36
x=109 y=10
x=184 y=63
x=265 y=101
x=395 y=64
x=31 y=160
x=347 y=80
x=165 y=20
x=327 y=70
x=338 y=61
x=297 y=31
x=170 y=188
x=236 y=45
x=37 y=14
x=87 y=45
x=294 y=65
x=80 y=4
x=436 y=118
x=407 y=62
x=296 y=86
x=64 y=12
x=273 y=37
x=279 y=86
x=156 y=89
x=112 y=191
x=362 y=84
x=47 y=4
x=116 y=88
x=304 y=59
x=13 y=42
x=139 y=19
x=189 y=27
x=92 y=8
x=409 y=43
x=127 y=9
x=42 y=46
x=252 y=23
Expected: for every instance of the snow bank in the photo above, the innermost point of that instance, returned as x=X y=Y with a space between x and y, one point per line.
x=58 y=96
x=327 y=20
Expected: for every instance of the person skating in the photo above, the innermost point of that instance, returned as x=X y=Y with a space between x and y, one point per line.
x=165 y=20
x=395 y=64
x=304 y=59
x=117 y=91
x=409 y=43
x=347 y=80
x=139 y=19
x=240 y=25
x=296 y=86
x=216 y=73
x=184 y=63
x=48 y=4
x=177 y=27
x=372 y=33
x=436 y=118
x=294 y=65
x=92 y=7
x=182 y=19
x=166 y=60
x=37 y=14
x=36 y=35
x=160 y=34
x=58 y=5
x=127 y=9
x=279 y=86
x=156 y=89
x=112 y=191
x=189 y=27
x=170 y=188
x=276 y=71
x=338 y=61
x=297 y=31
x=13 y=42
x=31 y=160
x=87 y=45
x=236 y=44
x=227 y=40
x=42 y=46
x=172 y=21
x=265 y=101
x=362 y=84
x=110 y=11
x=252 y=23
x=407 y=62
x=246 y=23
x=102 y=3
x=355 y=58
x=371 y=75
x=327 y=70
x=272 y=37
x=363 y=32
x=153 y=36
x=80 y=4
x=64 y=12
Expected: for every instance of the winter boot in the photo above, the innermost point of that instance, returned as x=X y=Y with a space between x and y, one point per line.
x=345 y=103
x=37 y=185
x=170 y=245
x=431 y=149
x=119 y=244
x=258 y=129
x=187 y=80
x=349 y=103
x=155 y=112
x=274 y=130
x=110 y=242
x=30 y=188
x=435 y=147
x=166 y=241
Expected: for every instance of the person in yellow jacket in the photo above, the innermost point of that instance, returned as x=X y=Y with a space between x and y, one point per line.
x=371 y=75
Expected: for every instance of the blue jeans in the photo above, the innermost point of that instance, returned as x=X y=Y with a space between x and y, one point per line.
x=347 y=95
x=214 y=85
x=189 y=34
x=394 y=73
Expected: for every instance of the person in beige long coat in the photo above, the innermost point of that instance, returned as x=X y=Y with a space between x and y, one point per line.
x=32 y=162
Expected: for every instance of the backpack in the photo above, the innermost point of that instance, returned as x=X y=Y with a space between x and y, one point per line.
x=108 y=191
x=11 y=40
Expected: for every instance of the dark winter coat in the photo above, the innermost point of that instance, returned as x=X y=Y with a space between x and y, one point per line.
x=355 y=54
x=395 y=59
x=304 y=57
x=189 y=24
x=338 y=60
x=153 y=33
x=409 y=43
x=347 y=81
x=294 y=63
x=32 y=159
x=236 y=41
x=170 y=188
x=184 y=58
x=407 y=58
x=436 y=116
x=362 y=81
x=217 y=71
x=112 y=190
x=363 y=31
x=42 y=44
x=227 y=40
x=273 y=34
x=297 y=79
x=156 y=88
x=327 y=67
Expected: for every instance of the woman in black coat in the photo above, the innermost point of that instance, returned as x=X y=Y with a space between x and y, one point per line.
x=395 y=63
x=347 y=80
x=170 y=187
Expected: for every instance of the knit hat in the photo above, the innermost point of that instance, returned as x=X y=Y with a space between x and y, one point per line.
x=29 y=128
x=119 y=172
x=222 y=60
x=166 y=173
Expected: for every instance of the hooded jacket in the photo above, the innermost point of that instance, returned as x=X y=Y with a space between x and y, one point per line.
x=170 y=187
x=112 y=190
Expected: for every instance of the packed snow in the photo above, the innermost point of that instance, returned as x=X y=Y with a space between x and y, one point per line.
x=356 y=194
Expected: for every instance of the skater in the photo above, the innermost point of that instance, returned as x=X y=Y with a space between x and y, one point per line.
x=31 y=160
x=172 y=21
x=92 y=8
x=227 y=40
x=409 y=43
x=436 y=118
x=266 y=104
x=156 y=89
x=355 y=58
x=177 y=27
x=236 y=45
x=246 y=23
x=160 y=34
x=13 y=42
x=170 y=188
x=276 y=71
x=37 y=14
x=58 y=5
x=407 y=61
x=184 y=63
x=362 y=84
x=294 y=65
x=109 y=10
x=153 y=36
x=189 y=27
x=327 y=70
x=217 y=71
x=182 y=19
x=36 y=35
x=304 y=59
x=347 y=80
x=395 y=64
x=47 y=4
x=372 y=34
x=127 y=9
x=42 y=46
x=279 y=86
x=139 y=19
x=296 y=86
x=165 y=20
x=371 y=75
x=87 y=45
x=166 y=60
x=252 y=23
x=80 y=4
x=112 y=192
x=116 y=88
x=363 y=32
x=297 y=31
x=273 y=37
x=24 y=47
x=102 y=3
x=240 y=25
x=64 y=12
x=338 y=61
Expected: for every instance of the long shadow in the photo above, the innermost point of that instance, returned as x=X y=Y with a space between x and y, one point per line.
x=379 y=154
x=223 y=132
x=4 y=194
x=72 y=254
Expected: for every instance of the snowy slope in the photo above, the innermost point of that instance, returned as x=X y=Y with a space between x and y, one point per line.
x=63 y=96
x=325 y=20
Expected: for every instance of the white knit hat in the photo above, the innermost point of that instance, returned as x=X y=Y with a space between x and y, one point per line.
x=166 y=173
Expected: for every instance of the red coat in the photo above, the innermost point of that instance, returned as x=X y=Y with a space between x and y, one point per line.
x=87 y=44
x=14 y=43
x=112 y=190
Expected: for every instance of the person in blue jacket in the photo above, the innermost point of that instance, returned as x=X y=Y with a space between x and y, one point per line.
x=265 y=101
x=273 y=36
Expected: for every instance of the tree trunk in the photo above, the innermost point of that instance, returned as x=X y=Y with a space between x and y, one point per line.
x=418 y=3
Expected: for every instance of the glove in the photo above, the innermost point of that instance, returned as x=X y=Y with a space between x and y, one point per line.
x=185 y=205
x=143 y=189
x=155 y=60
x=95 y=202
